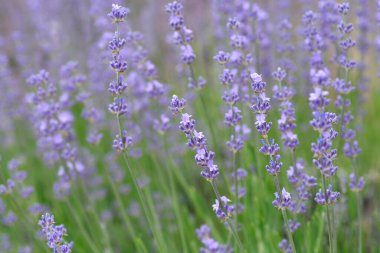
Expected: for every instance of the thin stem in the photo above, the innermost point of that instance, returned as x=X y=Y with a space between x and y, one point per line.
x=284 y=216
x=174 y=197
x=209 y=122
x=143 y=204
x=77 y=199
x=359 y=209
x=26 y=222
x=234 y=169
x=342 y=113
x=92 y=207
x=90 y=243
x=119 y=201
x=232 y=228
x=328 y=215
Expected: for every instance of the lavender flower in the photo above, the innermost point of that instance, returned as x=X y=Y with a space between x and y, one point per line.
x=283 y=201
x=182 y=36
x=261 y=106
x=327 y=198
x=118 y=13
x=209 y=243
x=356 y=185
x=203 y=157
x=54 y=234
x=286 y=123
x=222 y=209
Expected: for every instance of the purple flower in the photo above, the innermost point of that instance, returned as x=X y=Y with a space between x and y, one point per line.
x=343 y=8
x=232 y=117
x=258 y=86
x=174 y=8
x=210 y=244
x=283 y=201
x=177 y=105
x=331 y=196
x=222 y=57
x=116 y=88
x=187 y=54
x=54 y=234
x=118 y=64
x=118 y=107
x=116 y=44
x=285 y=246
x=118 y=13
x=356 y=185
x=274 y=166
x=187 y=123
x=122 y=143
x=269 y=149
x=222 y=209
x=279 y=74
x=294 y=225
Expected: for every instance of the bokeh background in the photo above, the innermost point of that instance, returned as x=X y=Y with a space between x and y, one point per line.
x=42 y=34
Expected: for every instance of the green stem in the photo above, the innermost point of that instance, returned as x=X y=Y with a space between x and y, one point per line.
x=175 y=197
x=329 y=225
x=234 y=169
x=93 y=208
x=342 y=114
x=122 y=209
x=232 y=228
x=359 y=209
x=143 y=204
x=84 y=233
x=284 y=215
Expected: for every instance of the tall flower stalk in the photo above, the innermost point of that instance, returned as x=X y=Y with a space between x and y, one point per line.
x=205 y=159
x=54 y=234
x=322 y=121
x=343 y=87
x=261 y=106
x=123 y=141
x=183 y=36
x=239 y=132
x=302 y=182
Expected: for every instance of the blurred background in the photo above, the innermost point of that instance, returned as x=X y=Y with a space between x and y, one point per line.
x=46 y=34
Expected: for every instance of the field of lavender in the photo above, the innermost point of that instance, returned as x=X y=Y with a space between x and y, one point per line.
x=213 y=126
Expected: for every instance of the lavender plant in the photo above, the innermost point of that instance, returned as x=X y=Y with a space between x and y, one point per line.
x=116 y=172
x=54 y=234
x=261 y=107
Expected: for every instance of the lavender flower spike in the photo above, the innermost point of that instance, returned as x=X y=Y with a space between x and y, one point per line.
x=54 y=234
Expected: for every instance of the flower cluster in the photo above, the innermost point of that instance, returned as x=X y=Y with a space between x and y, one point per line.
x=54 y=125
x=222 y=209
x=209 y=243
x=232 y=117
x=116 y=87
x=182 y=36
x=286 y=48
x=326 y=198
x=53 y=122
x=343 y=87
x=287 y=120
x=197 y=141
x=283 y=201
x=261 y=106
x=302 y=183
x=54 y=234
x=203 y=157
x=322 y=121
